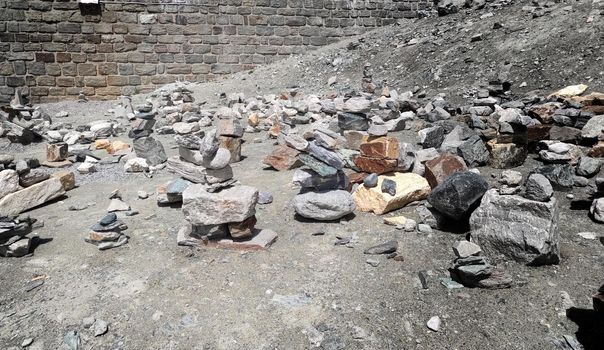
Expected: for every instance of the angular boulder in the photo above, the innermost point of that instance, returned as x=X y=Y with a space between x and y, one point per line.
x=324 y=206
x=458 y=195
x=517 y=228
x=409 y=188
x=233 y=204
x=33 y=196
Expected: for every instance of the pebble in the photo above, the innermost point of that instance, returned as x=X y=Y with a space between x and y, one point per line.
x=142 y=195
x=27 y=342
x=588 y=235
x=88 y=322
x=434 y=323
x=265 y=197
x=100 y=327
x=371 y=180
x=373 y=262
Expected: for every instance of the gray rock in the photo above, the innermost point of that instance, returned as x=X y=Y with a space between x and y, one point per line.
x=221 y=159
x=9 y=182
x=431 y=137
x=511 y=178
x=117 y=204
x=561 y=176
x=597 y=210
x=324 y=206
x=108 y=219
x=72 y=340
x=517 y=228
x=378 y=130
x=33 y=196
x=150 y=149
x=593 y=128
x=384 y=248
x=389 y=186
x=265 y=197
x=317 y=166
x=538 y=188
x=371 y=180
x=473 y=151
x=326 y=156
x=295 y=141
x=100 y=327
x=458 y=194
x=113 y=244
x=406 y=157
x=588 y=166
x=423 y=228
x=310 y=179
x=233 y=204
x=464 y=249
x=209 y=146
x=352 y=121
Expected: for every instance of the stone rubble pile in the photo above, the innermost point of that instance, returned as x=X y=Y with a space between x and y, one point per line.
x=14 y=241
x=23 y=185
x=107 y=233
x=23 y=123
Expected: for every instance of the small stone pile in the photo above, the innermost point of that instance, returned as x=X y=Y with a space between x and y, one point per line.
x=13 y=236
x=473 y=270
x=146 y=147
x=24 y=124
x=218 y=212
x=24 y=186
x=107 y=233
x=322 y=181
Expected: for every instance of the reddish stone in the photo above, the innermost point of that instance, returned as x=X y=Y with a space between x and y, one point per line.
x=233 y=144
x=355 y=178
x=597 y=150
x=382 y=147
x=544 y=112
x=283 y=158
x=243 y=229
x=438 y=169
x=375 y=165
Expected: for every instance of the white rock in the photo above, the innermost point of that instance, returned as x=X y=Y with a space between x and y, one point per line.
x=136 y=165
x=86 y=168
x=9 y=182
x=433 y=323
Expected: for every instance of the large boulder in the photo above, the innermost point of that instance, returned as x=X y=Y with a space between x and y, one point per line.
x=458 y=194
x=150 y=149
x=324 y=206
x=517 y=228
x=33 y=196
x=409 y=187
x=233 y=204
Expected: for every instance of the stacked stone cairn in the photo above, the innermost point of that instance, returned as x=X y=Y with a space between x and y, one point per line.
x=107 y=233
x=145 y=146
x=13 y=236
x=472 y=269
x=218 y=210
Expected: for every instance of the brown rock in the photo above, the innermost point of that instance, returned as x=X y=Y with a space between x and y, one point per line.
x=506 y=155
x=355 y=178
x=354 y=138
x=409 y=188
x=260 y=240
x=243 y=229
x=375 y=165
x=438 y=169
x=538 y=132
x=233 y=144
x=382 y=147
x=597 y=150
x=67 y=179
x=544 y=112
x=283 y=158
x=56 y=152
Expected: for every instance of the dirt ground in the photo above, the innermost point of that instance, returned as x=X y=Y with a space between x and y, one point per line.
x=304 y=291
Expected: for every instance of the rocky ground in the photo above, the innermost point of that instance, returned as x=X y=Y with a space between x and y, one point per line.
x=305 y=291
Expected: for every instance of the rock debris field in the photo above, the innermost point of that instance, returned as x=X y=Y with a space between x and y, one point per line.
x=356 y=215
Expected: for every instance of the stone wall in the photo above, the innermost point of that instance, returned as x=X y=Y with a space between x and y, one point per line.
x=58 y=48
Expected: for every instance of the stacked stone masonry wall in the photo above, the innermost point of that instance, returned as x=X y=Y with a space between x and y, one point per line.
x=57 y=48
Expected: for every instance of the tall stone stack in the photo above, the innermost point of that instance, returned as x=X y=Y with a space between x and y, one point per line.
x=202 y=161
x=145 y=146
x=322 y=181
x=218 y=211
x=510 y=148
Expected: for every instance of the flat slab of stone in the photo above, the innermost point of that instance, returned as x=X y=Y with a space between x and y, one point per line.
x=197 y=173
x=261 y=240
x=409 y=188
x=31 y=197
